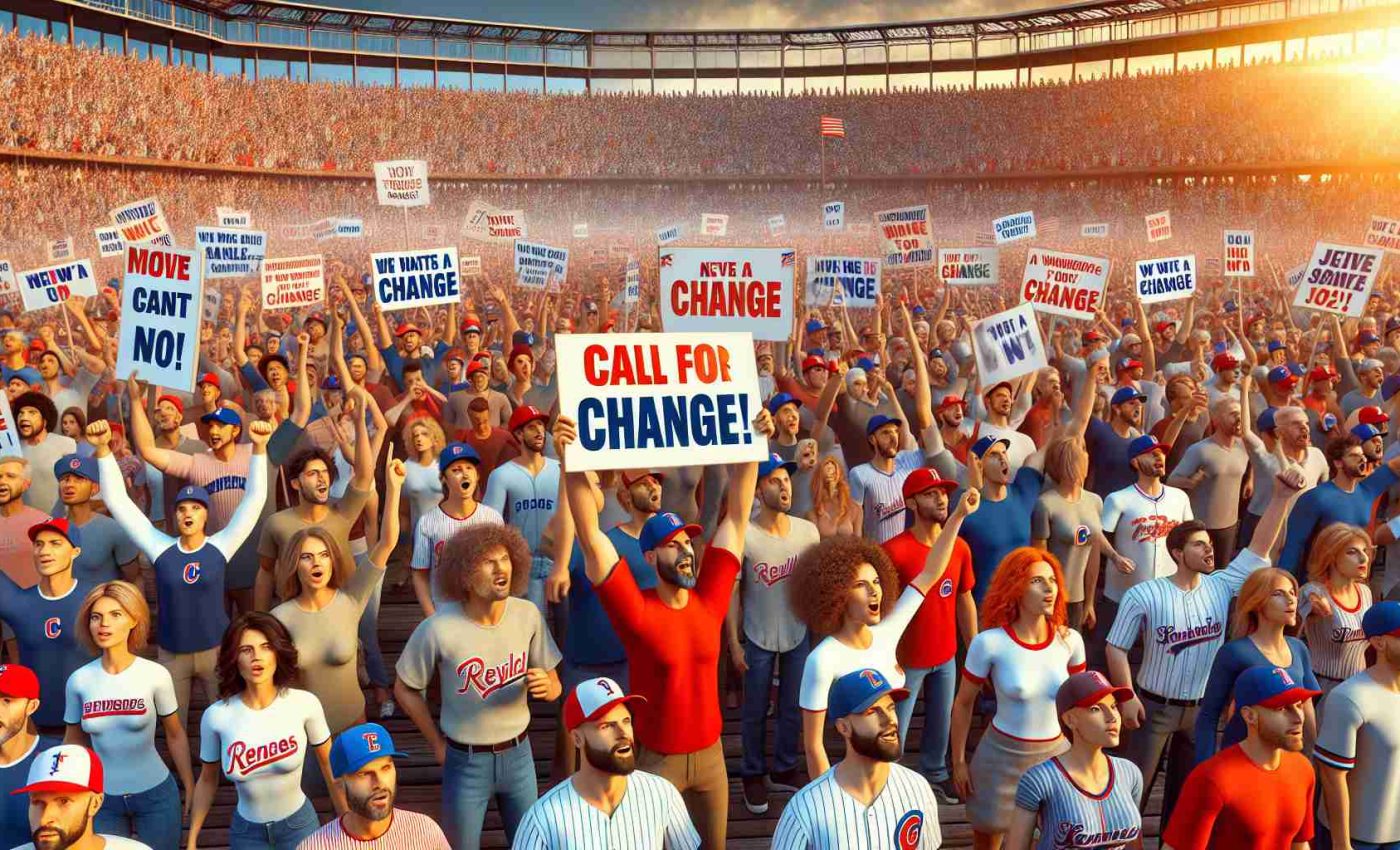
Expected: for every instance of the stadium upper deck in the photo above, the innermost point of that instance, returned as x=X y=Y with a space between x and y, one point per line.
x=272 y=38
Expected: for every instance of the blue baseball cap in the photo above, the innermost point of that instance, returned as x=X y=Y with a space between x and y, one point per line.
x=1276 y=345
x=1364 y=432
x=224 y=415
x=773 y=464
x=1126 y=394
x=984 y=445
x=858 y=690
x=659 y=530
x=1266 y=419
x=83 y=467
x=454 y=452
x=191 y=493
x=1269 y=687
x=1381 y=619
x=866 y=363
x=522 y=338
x=779 y=399
x=332 y=382
x=1367 y=337
x=1284 y=376
x=358 y=746
x=879 y=421
x=1144 y=444
x=918 y=310
x=28 y=374
x=815 y=326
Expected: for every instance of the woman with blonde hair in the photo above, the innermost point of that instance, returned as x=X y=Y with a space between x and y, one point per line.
x=424 y=440
x=1026 y=650
x=833 y=510
x=1267 y=606
x=1333 y=602
x=113 y=704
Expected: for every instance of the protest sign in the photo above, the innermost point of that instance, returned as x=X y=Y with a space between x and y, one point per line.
x=714 y=224
x=470 y=267
x=1384 y=233
x=1060 y=284
x=435 y=234
x=295 y=232
x=323 y=229
x=728 y=289
x=1008 y=345
x=1338 y=279
x=402 y=183
x=230 y=217
x=1295 y=276
x=969 y=266
x=349 y=228
x=289 y=282
x=486 y=223
x=1094 y=231
x=1159 y=226
x=52 y=285
x=777 y=225
x=834 y=215
x=632 y=290
x=60 y=249
x=213 y=300
x=7 y=278
x=9 y=432
x=1010 y=228
x=424 y=278
x=659 y=400
x=852 y=281
x=229 y=252
x=161 y=311
x=581 y=231
x=536 y=264
x=667 y=235
x=905 y=237
x=109 y=242
x=1166 y=279
x=1239 y=253
x=142 y=222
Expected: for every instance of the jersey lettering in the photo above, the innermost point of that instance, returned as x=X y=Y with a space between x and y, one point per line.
x=475 y=673
x=1175 y=640
x=191 y=572
x=226 y=482
x=1073 y=836
x=771 y=574
x=1153 y=527
x=909 y=831
x=131 y=707
x=540 y=504
x=245 y=759
x=53 y=627
x=372 y=742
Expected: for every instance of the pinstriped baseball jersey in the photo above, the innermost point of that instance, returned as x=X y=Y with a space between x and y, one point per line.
x=1071 y=817
x=1139 y=524
x=881 y=496
x=1337 y=643
x=1184 y=628
x=822 y=816
x=435 y=528
x=651 y=816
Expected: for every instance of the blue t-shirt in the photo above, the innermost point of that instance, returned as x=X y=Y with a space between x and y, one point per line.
x=590 y=638
x=190 y=592
x=47 y=632
x=1327 y=504
x=1109 y=469
x=1233 y=659
x=527 y=502
x=14 y=809
x=998 y=527
x=106 y=546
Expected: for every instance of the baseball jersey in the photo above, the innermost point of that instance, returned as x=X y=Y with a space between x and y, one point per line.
x=831 y=659
x=435 y=528
x=1184 y=628
x=822 y=816
x=1359 y=733
x=111 y=842
x=406 y=830
x=881 y=495
x=14 y=808
x=1071 y=817
x=47 y=631
x=650 y=816
x=768 y=562
x=1337 y=644
x=119 y=713
x=931 y=637
x=263 y=752
x=227 y=482
x=1139 y=524
x=528 y=502
x=481 y=669
x=1026 y=678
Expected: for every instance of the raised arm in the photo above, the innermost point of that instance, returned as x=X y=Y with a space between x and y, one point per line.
x=240 y=329
x=113 y=488
x=923 y=394
x=599 y=554
x=364 y=453
x=1149 y=348
x=942 y=551
x=372 y=356
x=743 y=477
x=394 y=474
x=249 y=511
x=141 y=434
x=507 y=314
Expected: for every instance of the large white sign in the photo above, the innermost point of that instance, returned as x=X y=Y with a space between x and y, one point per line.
x=850 y=281
x=1008 y=345
x=402 y=183
x=834 y=215
x=9 y=432
x=1062 y=284
x=405 y=279
x=969 y=266
x=905 y=237
x=291 y=282
x=1239 y=254
x=142 y=222
x=1014 y=227
x=230 y=252
x=486 y=223
x=537 y=265
x=161 y=311
x=52 y=285
x=728 y=289
x=1338 y=279
x=1384 y=233
x=1166 y=278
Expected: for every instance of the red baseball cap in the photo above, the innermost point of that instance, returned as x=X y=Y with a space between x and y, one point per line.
x=521 y=350
x=477 y=366
x=1092 y=336
x=67 y=767
x=179 y=405
x=407 y=328
x=952 y=401
x=1224 y=360
x=632 y=476
x=18 y=682
x=1322 y=373
x=594 y=698
x=812 y=361
x=524 y=415
x=1371 y=416
x=923 y=479
x=59 y=525
x=208 y=378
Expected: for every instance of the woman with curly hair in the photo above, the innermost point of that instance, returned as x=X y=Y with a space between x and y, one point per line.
x=1333 y=602
x=1026 y=651
x=833 y=509
x=844 y=590
x=258 y=735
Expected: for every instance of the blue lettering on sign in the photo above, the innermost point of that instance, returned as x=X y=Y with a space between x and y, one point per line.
x=665 y=421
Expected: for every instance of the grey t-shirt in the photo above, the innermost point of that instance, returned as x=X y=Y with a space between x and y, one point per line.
x=801 y=479
x=43 y=488
x=768 y=561
x=1071 y=528
x=106 y=546
x=481 y=669
x=1360 y=733
x=1215 y=501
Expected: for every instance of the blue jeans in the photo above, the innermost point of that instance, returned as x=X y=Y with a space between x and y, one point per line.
x=283 y=834
x=471 y=780
x=757 y=684
x=938 y=684
x=152 y=815
x=375 y=668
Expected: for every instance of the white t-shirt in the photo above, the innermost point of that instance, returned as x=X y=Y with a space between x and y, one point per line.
x=1026 y=678
x=831 y=659
x=1359 y=733
x=1139 y=524
x=262 y=752
x=119 y=714
x=113 y=842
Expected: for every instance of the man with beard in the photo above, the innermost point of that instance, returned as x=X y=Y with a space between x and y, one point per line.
x=1109 y=470
x=19 y=746
x=787 y=420
x=807 y=388
x=108 y=553
x=1349 y=498
x=16 y=518
x=1212 y=472
x=1258 y=793
x=608 y=803
x=525 y=492
x=1287 y=442
x=362 y=761
x=492 y=443
x=866 y=801
x=459 y=470
x=1358 y=744
x=776 y=640
x=65 y=793
x=36 y=420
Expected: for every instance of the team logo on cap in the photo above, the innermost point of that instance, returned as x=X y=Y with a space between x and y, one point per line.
x=74 y=463
x=602 y=683
x=57 y=763
x=945 y=588
x=874 y=678
x=53 y=627
x=1081 y=535
x=1283 y=676
x=191 y=572
x=909 y=831
x=371 y=741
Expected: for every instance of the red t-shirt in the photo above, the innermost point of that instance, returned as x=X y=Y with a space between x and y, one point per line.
x=932 y=636
x=673 y=653
x=1229 y=802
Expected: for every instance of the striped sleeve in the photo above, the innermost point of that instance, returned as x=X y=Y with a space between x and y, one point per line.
x=530 y=834
x=1132 y=612
x=792 y=833
x=679 y=833
x=1033 y=789
x=1336 y=737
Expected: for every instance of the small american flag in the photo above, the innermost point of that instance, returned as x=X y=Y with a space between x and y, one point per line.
x=789 y=258
x=833 y=127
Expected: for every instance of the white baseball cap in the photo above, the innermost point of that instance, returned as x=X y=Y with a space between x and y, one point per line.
x=68 y=767
x=592 y=699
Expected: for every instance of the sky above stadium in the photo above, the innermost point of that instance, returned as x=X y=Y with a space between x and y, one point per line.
x=694 y=14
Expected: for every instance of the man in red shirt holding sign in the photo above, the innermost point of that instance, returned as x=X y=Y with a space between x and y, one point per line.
x=672 y=634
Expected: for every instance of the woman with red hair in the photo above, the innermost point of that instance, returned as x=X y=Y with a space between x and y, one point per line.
x=1333 y=602
x=1026 y=651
